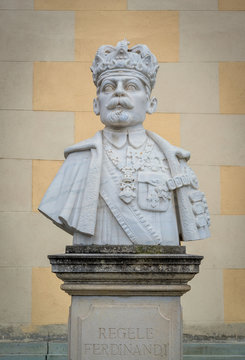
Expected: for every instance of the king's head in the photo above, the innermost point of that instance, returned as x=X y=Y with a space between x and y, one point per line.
x=124 y=79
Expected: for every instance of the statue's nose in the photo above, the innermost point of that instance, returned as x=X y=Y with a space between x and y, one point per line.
x=119 y=90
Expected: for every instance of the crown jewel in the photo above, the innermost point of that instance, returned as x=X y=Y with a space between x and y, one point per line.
x=139 y=58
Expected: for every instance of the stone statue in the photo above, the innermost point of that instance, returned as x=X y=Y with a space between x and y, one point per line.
x=126 y=185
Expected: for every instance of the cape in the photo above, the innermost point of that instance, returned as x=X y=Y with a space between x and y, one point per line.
x=72 y=198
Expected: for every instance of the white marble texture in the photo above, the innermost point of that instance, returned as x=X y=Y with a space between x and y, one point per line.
x=126 y=185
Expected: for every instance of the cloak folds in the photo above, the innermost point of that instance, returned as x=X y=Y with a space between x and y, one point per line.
x=72 y=198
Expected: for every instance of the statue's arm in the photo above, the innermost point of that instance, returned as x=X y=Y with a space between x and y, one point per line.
x=62 y=201
x=193 y=214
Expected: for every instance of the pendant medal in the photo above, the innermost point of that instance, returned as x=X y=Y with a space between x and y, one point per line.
x=127 y=185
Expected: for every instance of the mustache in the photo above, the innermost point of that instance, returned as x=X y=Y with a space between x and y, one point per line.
x=124 y=102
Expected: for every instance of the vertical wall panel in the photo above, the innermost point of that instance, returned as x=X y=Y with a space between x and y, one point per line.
x=231 y=5
x=158 y=29
x=50 y=305
x=16 y=85
x=232 y=87
x=172 y=4
x=43 y=173
x=63 y=86
x=234 y=294
x=232 y=179
x=80 y=5
x=33 y=35
x=212 y=36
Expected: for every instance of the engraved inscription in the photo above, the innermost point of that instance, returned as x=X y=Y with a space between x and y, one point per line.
x=125 y=333
x=108 y=334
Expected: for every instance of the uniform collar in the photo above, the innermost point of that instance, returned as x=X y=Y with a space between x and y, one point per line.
x=118 y=138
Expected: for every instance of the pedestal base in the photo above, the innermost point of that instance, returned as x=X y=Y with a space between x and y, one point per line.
x=125 y=300
x=130 y=328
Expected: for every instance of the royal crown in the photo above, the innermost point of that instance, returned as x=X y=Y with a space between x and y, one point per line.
x=138 y=59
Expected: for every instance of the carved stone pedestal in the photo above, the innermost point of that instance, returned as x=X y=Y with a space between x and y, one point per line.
x=125 y=300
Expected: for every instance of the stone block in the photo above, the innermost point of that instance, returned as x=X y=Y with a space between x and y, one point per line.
x=165 y=45
x=214 y=349
x=232 y=179
x=23 y=348
x=20 y=129
x=16 y=4
x=212 y=36
x=63 y=86
x=187 y=88
x=235 y=5
x=50 y=305
x=15 y=295
x=43 y=172
x=16 y=85
x=172 y=5
x=209 y=181
x=204 y=303
x=234 y=294
x=80 y=5
x=232 y=87
x=225 y=248
x=166 y=125
x=23 y=357
x=57 y=348
x=15 y=189
x=214 y=139
x=211 y=357
x=32 y=36
x=32 y=237
x=82 y=130
x=129 y=327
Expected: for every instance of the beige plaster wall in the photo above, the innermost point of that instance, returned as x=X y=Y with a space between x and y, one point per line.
x=46 y=104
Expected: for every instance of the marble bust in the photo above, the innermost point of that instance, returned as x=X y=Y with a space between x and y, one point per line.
x=126 y=185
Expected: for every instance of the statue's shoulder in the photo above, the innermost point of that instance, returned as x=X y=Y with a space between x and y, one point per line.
x=94 y=142
x=168 y=148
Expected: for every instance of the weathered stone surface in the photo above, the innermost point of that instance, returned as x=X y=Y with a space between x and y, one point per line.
x=125 y=328
x=132 y=249
x=125 y=272
x=125 y=300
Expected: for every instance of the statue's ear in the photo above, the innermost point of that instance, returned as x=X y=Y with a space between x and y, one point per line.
x=96 y=107
x=152 y=105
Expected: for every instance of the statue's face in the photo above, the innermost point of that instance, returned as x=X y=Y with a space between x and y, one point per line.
x=123 y=101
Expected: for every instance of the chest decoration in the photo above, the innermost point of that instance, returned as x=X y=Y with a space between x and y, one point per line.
x=154 y=194
x=145 y=169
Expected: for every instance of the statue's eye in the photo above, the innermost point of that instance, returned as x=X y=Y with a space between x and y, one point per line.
x=108 y=88
x=131 y=87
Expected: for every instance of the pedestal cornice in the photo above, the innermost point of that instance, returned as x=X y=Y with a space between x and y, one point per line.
x=125 y=270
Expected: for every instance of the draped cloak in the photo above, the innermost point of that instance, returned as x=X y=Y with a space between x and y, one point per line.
x=72 y=198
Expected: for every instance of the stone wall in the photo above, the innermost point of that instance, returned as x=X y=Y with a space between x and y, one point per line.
x=47 y=47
